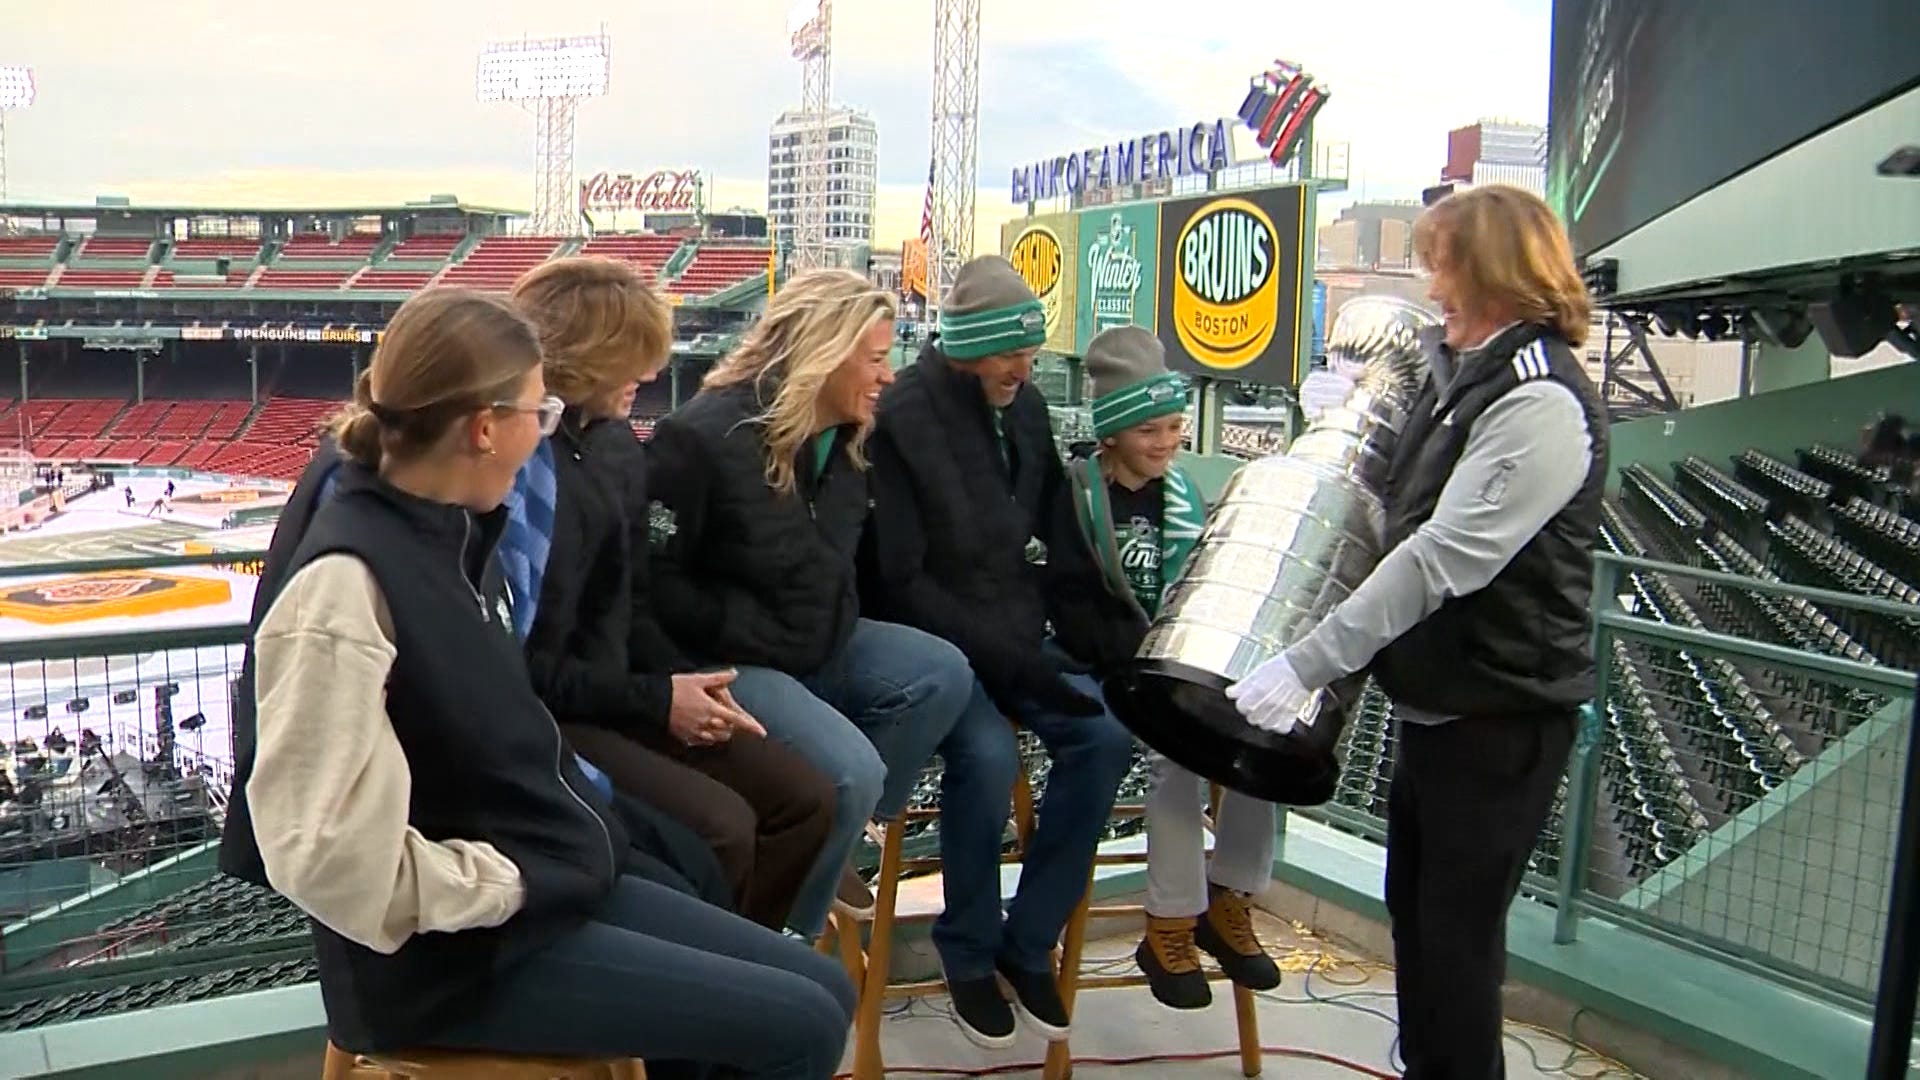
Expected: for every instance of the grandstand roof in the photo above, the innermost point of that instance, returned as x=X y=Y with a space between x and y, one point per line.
x=58 y=209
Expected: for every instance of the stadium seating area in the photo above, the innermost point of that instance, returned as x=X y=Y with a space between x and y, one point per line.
x=1692 y=740
x=273 y=440
x=316 y=263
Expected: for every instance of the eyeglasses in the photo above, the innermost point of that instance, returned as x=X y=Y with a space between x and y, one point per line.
x=548 y=411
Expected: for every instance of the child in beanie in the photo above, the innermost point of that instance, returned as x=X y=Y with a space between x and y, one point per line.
x=1142 y=516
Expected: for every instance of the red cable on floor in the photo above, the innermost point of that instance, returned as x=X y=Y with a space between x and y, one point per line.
x=1146 y=1059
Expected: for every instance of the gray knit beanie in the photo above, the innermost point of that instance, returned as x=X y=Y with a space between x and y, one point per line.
x=1131 y=383
x=989 y=311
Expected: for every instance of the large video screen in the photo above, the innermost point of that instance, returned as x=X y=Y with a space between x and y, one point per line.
x=1655 y=101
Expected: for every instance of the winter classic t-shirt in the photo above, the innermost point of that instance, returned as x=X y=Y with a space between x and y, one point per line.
x=1137 y=520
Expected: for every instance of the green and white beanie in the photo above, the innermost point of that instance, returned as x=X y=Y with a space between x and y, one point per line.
x=989 y=311
x=1131 y=383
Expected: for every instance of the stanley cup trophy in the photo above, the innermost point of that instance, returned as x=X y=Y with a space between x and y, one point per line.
x=1291 y=537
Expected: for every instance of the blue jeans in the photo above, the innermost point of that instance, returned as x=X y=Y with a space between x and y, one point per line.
x=661 y=975
x=869 y=719
x=1091 y=755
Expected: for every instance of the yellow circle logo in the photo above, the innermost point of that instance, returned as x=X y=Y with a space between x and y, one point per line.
x=1037 y=257
x=1226 y=291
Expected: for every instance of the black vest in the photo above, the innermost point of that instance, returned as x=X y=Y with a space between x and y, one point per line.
x=1523 y=643
x=487 y=762
x=239 y=855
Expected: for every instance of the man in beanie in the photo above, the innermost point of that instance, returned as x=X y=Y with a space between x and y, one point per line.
x=1142 y=516
x=972 y=537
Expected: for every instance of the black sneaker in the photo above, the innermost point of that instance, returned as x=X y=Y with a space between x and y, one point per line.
x=983 y=1015
x=1036 y=997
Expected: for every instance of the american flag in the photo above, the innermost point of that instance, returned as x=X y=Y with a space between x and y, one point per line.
x=926 y=210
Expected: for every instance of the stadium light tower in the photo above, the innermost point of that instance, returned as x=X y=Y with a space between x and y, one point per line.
x=548 y=78
x=810 y=32
x=16 y=93
x=956 y=141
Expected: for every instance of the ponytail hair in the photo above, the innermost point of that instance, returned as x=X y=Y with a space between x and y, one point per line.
x=355 y=430
x=445 y=354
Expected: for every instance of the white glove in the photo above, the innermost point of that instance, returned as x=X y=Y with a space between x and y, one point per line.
x=1271 y=698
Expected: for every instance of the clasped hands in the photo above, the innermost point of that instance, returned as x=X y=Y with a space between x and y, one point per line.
x=704 y=712
x=1271 y=697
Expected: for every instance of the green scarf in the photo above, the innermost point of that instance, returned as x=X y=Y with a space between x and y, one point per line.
x=1183 y=516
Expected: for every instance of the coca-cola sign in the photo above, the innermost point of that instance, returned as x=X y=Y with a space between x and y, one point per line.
x=663 y=191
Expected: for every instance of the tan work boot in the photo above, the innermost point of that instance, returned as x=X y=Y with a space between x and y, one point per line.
x=1226 y=933
x=1167 y=958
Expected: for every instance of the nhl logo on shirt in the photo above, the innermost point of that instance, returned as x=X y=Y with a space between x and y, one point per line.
x=661 y=525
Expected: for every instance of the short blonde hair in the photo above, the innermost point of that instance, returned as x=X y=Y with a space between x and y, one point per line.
x=810 y=328
x=600 y=324
x=1511 y=252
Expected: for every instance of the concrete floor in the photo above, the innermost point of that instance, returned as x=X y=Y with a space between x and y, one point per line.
x=1332 y=1001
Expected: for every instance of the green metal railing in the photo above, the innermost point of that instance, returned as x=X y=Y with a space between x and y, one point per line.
x=126 y=911
x=1734 y=794
x=1726 y=793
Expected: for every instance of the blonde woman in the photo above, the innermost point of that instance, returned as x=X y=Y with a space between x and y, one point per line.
x=1476 y=622
x=759 y=503
x=468 y=886
x=660 y=730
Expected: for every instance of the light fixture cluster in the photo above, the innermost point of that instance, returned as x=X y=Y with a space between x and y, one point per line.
x=534 y=70
x=16 y=86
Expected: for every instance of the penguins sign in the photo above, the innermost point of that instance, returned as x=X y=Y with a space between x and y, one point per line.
x=1230 y=290
x=1041 y=248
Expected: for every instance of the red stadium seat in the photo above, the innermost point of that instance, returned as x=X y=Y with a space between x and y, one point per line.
x=498 y=261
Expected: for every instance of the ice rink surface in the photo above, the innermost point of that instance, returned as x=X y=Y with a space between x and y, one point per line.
x=112 y=692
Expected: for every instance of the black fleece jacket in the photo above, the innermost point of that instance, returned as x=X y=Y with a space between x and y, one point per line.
x=743 y=574
x=975 y=545
x=577 y=650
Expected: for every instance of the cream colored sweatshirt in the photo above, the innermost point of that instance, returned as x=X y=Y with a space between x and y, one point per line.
x=331 y=788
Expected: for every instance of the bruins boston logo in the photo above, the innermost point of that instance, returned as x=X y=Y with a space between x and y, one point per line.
x=1037 y=256
x=1226 y=284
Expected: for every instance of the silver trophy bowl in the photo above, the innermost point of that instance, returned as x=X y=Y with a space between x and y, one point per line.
x=1291 y=536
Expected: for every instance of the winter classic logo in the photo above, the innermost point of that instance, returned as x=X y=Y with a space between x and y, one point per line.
x=1036 y=255
x=1113 y=268
x=1226 y=291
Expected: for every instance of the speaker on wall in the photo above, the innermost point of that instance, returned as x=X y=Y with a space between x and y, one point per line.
x=1852 y=324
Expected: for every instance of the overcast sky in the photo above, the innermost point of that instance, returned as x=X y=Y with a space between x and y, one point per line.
x=270 y=102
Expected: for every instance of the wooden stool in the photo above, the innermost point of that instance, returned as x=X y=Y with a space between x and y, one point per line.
x=869 y=967
x=1245 y=1014
x=459 y=1065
